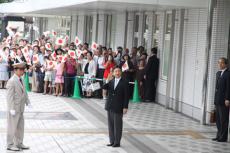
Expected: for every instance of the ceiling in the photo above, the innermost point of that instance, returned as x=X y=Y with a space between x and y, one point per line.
x=72 y=7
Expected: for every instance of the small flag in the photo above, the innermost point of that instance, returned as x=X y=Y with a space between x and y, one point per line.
x=60 y=57
x=28 y=60
x=25 y=51
x=54 y=55
x=94 y=46
x=77 y=41
x=50 y=64
x=35 y=58
x=72 y=54
x=54 y=33
x=79 y=52
x=125 y=66
x=60 y=42
x=48 y=46
x=66 y=39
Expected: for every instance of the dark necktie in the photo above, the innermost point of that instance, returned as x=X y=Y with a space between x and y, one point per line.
x=21 y=81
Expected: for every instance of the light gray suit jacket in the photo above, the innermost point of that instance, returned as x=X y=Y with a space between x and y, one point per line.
x=16 y=97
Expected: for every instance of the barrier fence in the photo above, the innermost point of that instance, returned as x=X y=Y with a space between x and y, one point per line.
x=77 y=95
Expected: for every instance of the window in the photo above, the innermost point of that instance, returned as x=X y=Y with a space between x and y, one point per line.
x=89 y=29
x=167 y=45
x=113 y=31
x=136 y=23
x=146 y=30
x=136 y=29
x=108 y=30
x=156 y=30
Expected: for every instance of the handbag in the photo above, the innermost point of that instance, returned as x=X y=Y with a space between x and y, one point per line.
x=95 y=86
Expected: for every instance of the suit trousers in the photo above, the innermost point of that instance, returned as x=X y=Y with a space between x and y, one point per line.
x=222 y=119
x=15 y=129
x=150 y=89
x=115 y=127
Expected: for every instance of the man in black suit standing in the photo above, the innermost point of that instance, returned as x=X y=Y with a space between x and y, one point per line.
x=151 y=76
x=116 y=105
x=221 y=101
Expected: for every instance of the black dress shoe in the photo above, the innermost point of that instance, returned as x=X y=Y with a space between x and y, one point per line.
x=109 y=145
x=221 y=140
x=214 y=139
x=116 y=145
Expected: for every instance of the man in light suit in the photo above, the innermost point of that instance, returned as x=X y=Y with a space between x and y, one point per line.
x=116 y=105
x=17 y=98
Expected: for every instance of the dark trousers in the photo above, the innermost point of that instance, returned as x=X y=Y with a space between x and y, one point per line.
x=150 y=89
x=40 y=79
x=69 y=84
x=100 y=75
x=222 y=119
x=115 y=127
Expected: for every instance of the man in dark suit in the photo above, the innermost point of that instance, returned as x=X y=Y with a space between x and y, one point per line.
x=151 y=76
x=221 y=101
x=116 y=105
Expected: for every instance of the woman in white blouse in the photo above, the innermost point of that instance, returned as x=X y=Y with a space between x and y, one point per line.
x=89 y=69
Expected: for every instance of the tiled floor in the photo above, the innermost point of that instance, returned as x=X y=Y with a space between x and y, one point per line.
x=61 y=125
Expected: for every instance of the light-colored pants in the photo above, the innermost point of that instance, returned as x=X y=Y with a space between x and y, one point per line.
x=15 y=129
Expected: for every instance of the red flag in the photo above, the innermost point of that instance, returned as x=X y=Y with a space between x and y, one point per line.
x=48 y=46
x=60 y=57
x=66 y=39
x=54 y=33
x=94 y=46
x=72 y=54
x=60 y=41
x=35 y=58
x=54 y=55
x=28 y=60
x=77 y=41
x=125 y=66
x=50 y=64
x=79 y=52
x=25 y=51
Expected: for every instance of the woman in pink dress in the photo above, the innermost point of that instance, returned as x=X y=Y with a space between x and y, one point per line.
x=59 y=79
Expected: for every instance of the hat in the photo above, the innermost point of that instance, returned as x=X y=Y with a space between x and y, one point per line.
x=18 y=64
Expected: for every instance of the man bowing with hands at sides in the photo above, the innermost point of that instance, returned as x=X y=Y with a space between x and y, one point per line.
x=17 y=98
x=116 y=105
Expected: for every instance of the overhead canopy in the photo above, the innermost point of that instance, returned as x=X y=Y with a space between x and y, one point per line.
x=71 y=7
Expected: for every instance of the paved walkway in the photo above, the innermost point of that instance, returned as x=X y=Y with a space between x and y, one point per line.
x=64 y=125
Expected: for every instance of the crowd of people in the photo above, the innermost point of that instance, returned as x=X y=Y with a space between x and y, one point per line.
x=53 y=64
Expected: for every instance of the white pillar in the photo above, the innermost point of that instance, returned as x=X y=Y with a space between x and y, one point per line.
x=219 y=48
x=151 y=27
x=102 y=20
x=120 y=29
x=73 y=28
x=141 y=30
x=95 y=28
x=130 y=30
x=81 y=27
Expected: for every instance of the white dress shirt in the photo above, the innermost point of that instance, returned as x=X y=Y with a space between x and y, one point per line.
x=116 y=82
x=222 y=71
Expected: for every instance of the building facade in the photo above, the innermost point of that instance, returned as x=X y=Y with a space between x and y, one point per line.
x=191 y=36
